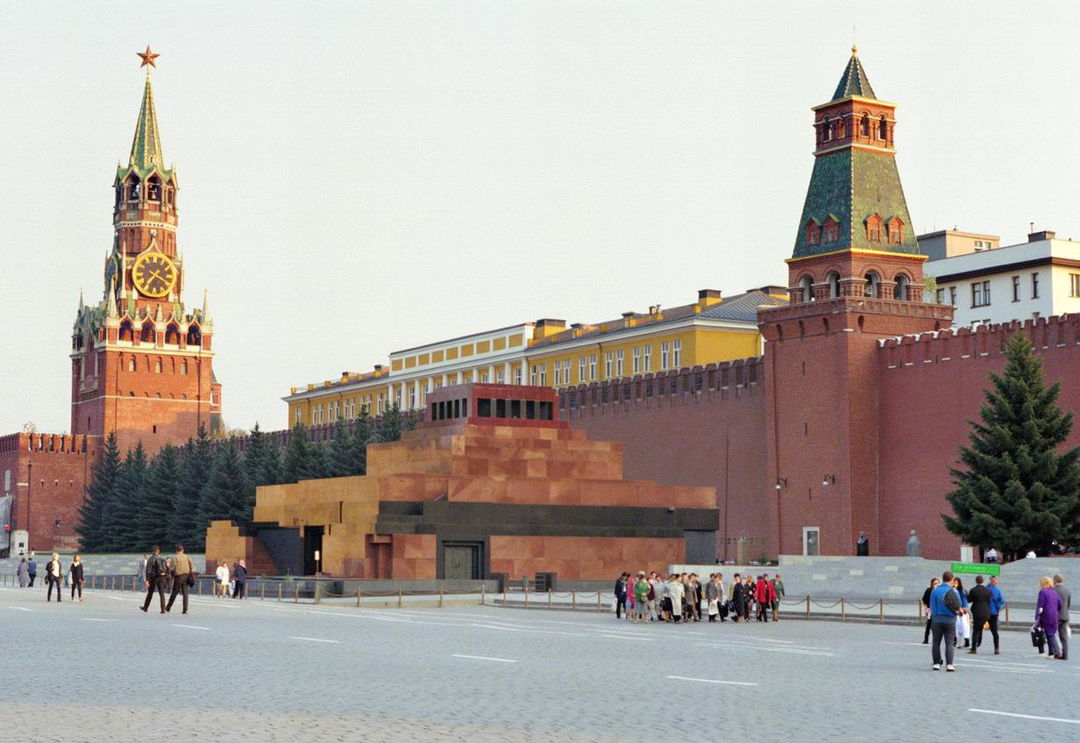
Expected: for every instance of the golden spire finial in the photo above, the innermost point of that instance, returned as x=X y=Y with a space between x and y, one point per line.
x=854 y=50
x=148 y=58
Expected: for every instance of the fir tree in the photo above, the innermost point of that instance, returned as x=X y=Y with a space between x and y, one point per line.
x=119 y=517
x=224 y=497
x=155 y=509
x=390 y=425
x=341 y=451
x=184 y=527
x=1017 y=492
x=300 y=456
x=98 y=493
x=271 y=469
x=359 y=438
x=255 y=451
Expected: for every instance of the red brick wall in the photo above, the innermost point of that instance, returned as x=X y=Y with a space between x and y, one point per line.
x=715 y=437
x=930 y=389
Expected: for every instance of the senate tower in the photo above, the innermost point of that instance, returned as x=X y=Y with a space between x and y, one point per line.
x=142 y=363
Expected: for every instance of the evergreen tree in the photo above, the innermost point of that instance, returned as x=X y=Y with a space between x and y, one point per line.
x=224 y=497
x=98 y=493
x=271 y=473
x=390 y=425
x=1017 y=492
x=255 y=452
x=359 y=438
x=119 y=517
x=155 y=509
x=300 y=456
x=341 y=452
x=184 y=527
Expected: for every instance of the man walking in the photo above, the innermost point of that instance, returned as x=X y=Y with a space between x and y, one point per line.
x=979 y=599
x=53 y=577
x=620 y=594
x=182 y=570
x=997 y=603
x=944 y=606
x=156 y=573
x=1063 y=616
x=31 y=568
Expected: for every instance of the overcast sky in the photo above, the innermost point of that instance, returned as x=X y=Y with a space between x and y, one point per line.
x=361 y=177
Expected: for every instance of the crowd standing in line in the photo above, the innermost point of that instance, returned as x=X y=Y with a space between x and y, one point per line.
x=684 y=598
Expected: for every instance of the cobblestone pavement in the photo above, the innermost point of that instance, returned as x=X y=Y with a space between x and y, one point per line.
x=262 y=671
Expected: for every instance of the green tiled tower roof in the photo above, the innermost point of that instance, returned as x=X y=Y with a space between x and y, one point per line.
x=854 y=80
x=146 y=147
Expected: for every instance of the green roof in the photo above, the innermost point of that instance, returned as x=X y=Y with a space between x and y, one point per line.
x=146 y=147
x=854 y=80
x=850 y=185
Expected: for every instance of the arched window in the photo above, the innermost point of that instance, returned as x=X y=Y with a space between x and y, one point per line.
x=864 y=126
x=903 y=288
x=194 y=337
x=183 y=366
x=834 y=284
x=813 y=232
x=873 y=228
x=827 y=128
x=883 y=128
x=133 y=189
x=153 y=188
x=127 y=333
x=131 y=363
x=807 y=285
x=840 y=128
x=172 y=335
x=147 y=335
x=873 y=285
x=157 y=366
x=831 y=230
x=170 y=194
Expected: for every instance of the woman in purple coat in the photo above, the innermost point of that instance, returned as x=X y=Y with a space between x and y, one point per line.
x=1046 y=615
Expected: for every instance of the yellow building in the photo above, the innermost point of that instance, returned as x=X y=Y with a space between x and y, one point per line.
x=548 y=353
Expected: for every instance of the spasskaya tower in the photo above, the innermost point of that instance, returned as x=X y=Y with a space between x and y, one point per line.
x=142 y=364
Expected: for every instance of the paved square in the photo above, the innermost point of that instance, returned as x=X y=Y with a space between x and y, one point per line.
x=251 y=670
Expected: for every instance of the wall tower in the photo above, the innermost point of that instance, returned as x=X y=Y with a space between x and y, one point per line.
x=141 y=365
x=855 y=277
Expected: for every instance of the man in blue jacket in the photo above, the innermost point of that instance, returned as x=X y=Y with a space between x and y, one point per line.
x=997 y=603
x=944 y=606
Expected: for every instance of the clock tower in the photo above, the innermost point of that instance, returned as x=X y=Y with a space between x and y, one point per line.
x=142 y=364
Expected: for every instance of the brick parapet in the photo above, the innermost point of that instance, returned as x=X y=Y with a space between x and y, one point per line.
x=60 y=443
x=688 y=385
x=958 y=344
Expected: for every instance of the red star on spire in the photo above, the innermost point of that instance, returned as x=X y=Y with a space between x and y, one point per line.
x=148 y=57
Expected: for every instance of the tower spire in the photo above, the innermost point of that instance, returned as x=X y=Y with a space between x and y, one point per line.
x=854 y=80
x=146 y=147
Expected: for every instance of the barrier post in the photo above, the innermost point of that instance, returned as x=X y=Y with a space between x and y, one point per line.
x=482 y=587
x=1006 y=614
x=843 y=612
x=279 y=587
x=807 y=606
x=599 y=606
x=573 y=598
x=525 y=585
x=262 y=589
x=357 y=598
x=200 y=585
x=504 y=592
x=399 y=598
x=318 y=587
x=881 y=609
x=549 y=598
x=296 y=593
x=440 y=597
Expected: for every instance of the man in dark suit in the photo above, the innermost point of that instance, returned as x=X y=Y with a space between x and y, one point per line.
x=1063 y=616
x=979 y=599
x=156 y=575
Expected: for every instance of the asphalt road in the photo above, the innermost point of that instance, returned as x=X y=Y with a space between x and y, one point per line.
x=248 y=670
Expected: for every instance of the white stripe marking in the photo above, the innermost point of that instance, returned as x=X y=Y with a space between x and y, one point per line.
x=1025 y=717
x=1040 y=666
x=19 y=608
x=713 y=681
x=627 y=637
x=483 y=657
x=115 y=598
x=314 y=639
x=94 y=619
x=190 y=626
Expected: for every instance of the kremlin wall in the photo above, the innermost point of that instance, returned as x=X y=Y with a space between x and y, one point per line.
x=784 y=420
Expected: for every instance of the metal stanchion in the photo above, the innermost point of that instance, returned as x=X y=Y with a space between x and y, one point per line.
x=526 y=587
x=279 y=587
x=1006 y=613
x=843 y=612
x=399 y=598
x=549 y=598
x=262 y=589
x=440 y=598
x=482 y=587
x=573 y=598
x=296 y=593
x=881 y=609
x=807 y=606
x=599 y=606
x=358 y=597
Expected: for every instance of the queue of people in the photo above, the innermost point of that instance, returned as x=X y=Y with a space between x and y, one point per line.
x=685 y=598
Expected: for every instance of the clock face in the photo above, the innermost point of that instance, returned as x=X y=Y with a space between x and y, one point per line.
x=154 y=274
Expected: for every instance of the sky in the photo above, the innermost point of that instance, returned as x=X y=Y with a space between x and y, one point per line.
x=362 y=177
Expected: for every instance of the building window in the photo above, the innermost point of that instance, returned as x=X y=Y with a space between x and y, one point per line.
x=873 y=228
x=500 y=375
x=834 y=284
x=1035 y=285
x=532 y=375
x=636 y=363
x=543 y=375
x=556 y=374
x=607 y=364
x=813 y=233
x=901 y=291
x=581 y=369
x=952 y=295
x=566 y=371
x=517 y=375
x=183 y=366
x=592 y=367
x=883 y=128
x=831 y=230
x=1074 y=285
x=896 y=231
x=1016 y=288
x=939 y=296
x=620 y=359
x=157 y=366
x=647 y=358
x=665 y=354
x=864 y=125
x=676 y=354
x=980 y=294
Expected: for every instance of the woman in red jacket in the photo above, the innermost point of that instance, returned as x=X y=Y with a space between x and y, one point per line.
x=765 y=594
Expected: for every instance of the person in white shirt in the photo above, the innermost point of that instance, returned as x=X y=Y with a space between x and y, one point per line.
x=222 y=575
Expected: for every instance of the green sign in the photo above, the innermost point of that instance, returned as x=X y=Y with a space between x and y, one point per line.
x=976 y=567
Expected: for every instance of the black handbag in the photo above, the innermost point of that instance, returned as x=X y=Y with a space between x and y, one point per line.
x=191 y=579
x=1038 y=637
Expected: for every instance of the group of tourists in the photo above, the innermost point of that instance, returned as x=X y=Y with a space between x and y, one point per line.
x=158 y=573
x=953 y=614
x=684 y=597
x=55 y=576
x=230 y=581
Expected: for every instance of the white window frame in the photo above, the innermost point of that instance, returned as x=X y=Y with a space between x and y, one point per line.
x=665 y=354
x=676 y=354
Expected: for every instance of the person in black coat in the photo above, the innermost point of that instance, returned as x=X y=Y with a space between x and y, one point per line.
x=76 y=573
x=979 y=597
x=620 y=595
x=926 y=608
